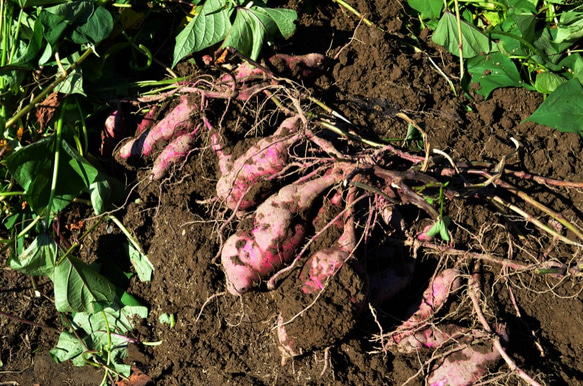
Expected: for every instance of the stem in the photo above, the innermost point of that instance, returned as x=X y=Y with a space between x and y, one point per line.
x=557 y=216
x=56 y=162
x=127 y=233
x=24 y=321
x=460 y=36
x=528 y=217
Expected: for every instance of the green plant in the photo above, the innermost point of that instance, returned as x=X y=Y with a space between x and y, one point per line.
x=240 y=24
x=515 y=43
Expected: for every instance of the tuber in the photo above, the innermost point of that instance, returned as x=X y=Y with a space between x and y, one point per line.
x=440 y=288
x=176 y=151
x=322 y=265
x=260 y=162
x=176 y=123
x=278 y=229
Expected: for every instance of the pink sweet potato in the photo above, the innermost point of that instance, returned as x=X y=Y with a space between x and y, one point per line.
x=115 y=129
x=177 y=122
x=175 y=152
x=465 y=367
x=322 y=265
x=278 y=229
x=459 y=368
x=261 y=161
x=440 y=288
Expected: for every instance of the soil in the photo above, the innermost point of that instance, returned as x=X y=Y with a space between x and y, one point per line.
x=223 y=339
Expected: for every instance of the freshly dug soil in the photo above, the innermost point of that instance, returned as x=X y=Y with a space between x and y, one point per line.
x=372 y=76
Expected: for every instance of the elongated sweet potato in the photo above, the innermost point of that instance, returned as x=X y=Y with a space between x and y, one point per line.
x=437 y=293
x=278 y=229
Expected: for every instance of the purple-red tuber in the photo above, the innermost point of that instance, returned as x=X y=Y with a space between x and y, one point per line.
x=278 y=229
x=260 y=162
x=174 y=124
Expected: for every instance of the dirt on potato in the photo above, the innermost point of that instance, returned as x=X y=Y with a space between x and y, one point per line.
x=222 y=339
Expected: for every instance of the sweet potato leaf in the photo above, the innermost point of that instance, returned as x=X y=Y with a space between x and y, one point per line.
x=474 y=41
x=429 y=9
x=79 y=288
x=563 y=109
x=253 y=25
x=38 y=259
x=208 y=27
x=493 y=71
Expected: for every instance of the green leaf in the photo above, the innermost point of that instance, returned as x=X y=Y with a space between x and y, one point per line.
x=429 y=9
x=38 y=3
x=54 y=27
x=547 y=82
x=252 y=26
x=100 y=193
x=563 y=109
x=440 y=228
x=68 y=347
x=208 y=27
x=38 y=259
x=97 y=28
x=570 y=26
x=141 y=263
x=474 y=42
x=493 y=71
x=573 y=66
x=34 y=45
x=119 y=320
x=79 y=288
x=72 y=12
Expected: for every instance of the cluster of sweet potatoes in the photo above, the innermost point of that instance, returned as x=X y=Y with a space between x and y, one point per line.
x=277 y=193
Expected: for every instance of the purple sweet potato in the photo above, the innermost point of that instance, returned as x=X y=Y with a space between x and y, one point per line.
x=260 y=162
x=459 y=368
x=115 y=129
x=465 y=367
x=322 y=265
x=278 y=229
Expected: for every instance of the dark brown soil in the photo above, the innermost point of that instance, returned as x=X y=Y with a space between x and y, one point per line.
x=372 y=77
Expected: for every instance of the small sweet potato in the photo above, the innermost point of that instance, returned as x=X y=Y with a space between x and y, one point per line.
x=177 y=122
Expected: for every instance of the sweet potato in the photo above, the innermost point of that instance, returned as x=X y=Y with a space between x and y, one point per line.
x=174 y=124
x=465 y=367
x=115 y=129
x=278 y=229
x=440 y=288
x=322 y=265
x=459 y=368
x=260 y=162
x=176 y=151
